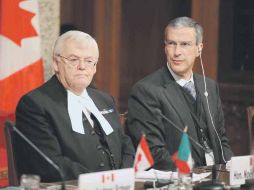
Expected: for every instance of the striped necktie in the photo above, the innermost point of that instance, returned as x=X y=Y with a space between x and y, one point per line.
x=190 y=88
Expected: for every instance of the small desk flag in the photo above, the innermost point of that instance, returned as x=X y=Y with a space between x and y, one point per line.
x=143 y=158
x=182 y=157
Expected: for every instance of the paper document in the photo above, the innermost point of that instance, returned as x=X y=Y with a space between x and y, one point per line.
x=153 y=175
x=200 y=177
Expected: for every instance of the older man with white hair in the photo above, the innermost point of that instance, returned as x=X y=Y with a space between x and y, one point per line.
x=77 y=126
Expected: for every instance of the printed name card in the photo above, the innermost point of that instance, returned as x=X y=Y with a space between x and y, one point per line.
x=108 y=180
x=241 y=168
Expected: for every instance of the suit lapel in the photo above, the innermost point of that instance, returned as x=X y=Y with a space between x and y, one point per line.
x=199 y=81
x=60 y=93
x=173 y=93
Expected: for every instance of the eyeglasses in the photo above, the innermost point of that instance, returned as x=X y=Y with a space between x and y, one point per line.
x=74 y=61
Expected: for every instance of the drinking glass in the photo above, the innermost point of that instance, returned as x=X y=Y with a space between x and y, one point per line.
x=30 y=182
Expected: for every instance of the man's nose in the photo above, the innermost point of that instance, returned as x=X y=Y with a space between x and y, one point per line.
x=178 y=50
x=82 y=65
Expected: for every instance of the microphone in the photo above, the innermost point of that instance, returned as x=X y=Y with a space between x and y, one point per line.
x=182 y=131
x=214 y=184
x=172 y=123
x=31 y=144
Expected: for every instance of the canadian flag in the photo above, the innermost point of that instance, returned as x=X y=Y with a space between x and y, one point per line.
x=21 y=67
x=108 y=178
x=143 y=158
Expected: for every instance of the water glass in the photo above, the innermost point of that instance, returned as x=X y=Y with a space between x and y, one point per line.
x=184 y=181
x=30 y=182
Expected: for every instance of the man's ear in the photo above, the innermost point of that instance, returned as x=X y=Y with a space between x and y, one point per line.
x=94 y=69
x=55 y=65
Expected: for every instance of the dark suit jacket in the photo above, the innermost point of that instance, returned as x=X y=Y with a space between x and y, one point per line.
x=158 y=94
x=42 y=116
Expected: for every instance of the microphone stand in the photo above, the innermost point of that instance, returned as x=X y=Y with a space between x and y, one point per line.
x=39 y=152
x=214 y=184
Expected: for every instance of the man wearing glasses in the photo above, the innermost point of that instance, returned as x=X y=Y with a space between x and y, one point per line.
x=75 y=125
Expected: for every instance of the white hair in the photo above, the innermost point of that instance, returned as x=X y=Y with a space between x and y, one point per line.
x=79 y=37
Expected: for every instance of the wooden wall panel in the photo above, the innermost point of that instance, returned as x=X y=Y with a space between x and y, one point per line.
x=207 y=14
x=78 y=13
x=107 y=27
x=142 y=47
x=236 y=98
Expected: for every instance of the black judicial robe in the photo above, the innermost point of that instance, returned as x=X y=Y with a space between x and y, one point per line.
x=42 y=115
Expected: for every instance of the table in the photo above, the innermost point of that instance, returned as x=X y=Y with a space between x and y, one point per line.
x=221 y=174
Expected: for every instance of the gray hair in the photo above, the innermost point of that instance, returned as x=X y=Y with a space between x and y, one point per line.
x=81 y=38
x=187 y=22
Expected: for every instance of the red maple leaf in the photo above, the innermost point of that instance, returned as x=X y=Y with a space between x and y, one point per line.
x=15 y=22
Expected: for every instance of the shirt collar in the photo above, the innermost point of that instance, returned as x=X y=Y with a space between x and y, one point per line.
x=75 y=112
x=84 y=94
x=178 y=79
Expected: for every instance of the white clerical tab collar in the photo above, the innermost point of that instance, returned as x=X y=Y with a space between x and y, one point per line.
x=75 y=112
x=84 y=101
x=89 y=104
x=84 y=94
